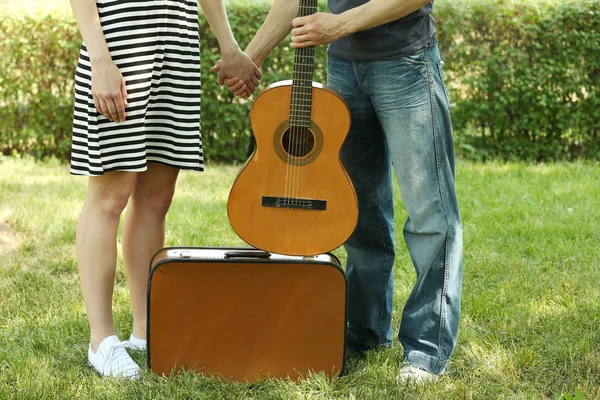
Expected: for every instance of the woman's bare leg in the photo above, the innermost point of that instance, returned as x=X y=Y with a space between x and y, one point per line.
x=96 y=248
x=144 y=233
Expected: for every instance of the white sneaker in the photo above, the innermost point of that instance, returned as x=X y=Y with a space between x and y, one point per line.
x=111 y=359
x=137 y=343
x=409 y=374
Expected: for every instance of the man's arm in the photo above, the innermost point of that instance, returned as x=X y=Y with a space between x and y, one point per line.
x=319 y=28
x=323 y=28
x=276 y=27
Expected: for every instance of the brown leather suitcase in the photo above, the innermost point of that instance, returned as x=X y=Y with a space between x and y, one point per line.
x=244 y=314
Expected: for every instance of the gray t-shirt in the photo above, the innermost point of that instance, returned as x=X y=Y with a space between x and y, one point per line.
x=387 y=41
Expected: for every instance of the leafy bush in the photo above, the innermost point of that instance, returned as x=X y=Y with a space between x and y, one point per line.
x=37 y=62
x=523 y=76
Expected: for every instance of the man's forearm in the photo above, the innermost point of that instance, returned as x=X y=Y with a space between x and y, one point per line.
x=378 y=12
x=276 y=27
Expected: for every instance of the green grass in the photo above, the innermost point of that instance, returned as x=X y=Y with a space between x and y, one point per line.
x=530 y=314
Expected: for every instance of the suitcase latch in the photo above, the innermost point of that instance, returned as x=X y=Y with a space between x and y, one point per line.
x=185 y=254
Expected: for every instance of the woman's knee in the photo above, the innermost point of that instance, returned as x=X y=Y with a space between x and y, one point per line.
x=109 y=197
x=154 y=189
x=157 y=201
x=114 y=202
x=161 y=202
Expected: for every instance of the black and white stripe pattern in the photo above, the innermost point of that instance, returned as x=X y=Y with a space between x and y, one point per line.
x=156 y=47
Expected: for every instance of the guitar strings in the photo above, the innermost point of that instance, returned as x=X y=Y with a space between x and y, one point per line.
x=302 y=131
x=288 y=172
x=293 y=137
x=299 y=125
x=292 y=142
x=300 y=112
x=299 y=105
x=307 y=67
x=293 y=128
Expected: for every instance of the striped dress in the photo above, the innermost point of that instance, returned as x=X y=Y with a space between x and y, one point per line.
x=155 y=45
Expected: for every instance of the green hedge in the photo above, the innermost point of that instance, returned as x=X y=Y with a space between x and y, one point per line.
x=37 y=63
x=523 y=78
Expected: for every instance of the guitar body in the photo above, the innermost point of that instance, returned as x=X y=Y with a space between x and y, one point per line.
x=293 y=195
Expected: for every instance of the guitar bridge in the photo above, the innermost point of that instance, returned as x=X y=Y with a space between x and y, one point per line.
x=294 y=203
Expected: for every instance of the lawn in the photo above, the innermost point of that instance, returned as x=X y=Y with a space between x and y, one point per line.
x=530 y=324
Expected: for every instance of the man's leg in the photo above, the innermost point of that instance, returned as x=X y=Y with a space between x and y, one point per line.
x=412 y=106
x=370 y=248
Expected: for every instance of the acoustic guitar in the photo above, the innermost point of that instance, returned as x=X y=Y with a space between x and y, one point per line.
x=293 y=195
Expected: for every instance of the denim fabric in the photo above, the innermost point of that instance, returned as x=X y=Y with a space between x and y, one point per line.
x=400 y=118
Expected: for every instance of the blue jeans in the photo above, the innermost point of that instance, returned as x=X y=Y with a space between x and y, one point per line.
x=400 y=118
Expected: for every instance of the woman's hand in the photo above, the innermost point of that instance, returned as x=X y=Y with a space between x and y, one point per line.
x=237 y=70
x=108 y=90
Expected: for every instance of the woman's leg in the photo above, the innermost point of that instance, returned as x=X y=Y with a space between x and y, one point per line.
x=144 y=233
x=96 y=248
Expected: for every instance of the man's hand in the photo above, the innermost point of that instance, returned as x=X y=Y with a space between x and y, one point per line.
x=316 y=29
x=238 y=72
x=236 y=85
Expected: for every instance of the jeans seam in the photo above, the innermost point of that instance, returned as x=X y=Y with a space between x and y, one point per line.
x=380 y=332
x=385 y=286
x=439 y=66
x=441 y=189
x=359 y=82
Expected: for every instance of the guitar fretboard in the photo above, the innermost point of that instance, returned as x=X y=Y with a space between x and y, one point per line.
x=303 y=75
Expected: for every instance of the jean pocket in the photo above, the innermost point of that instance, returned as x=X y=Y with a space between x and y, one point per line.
x=337 y=68
x=416 y=58
x=440 y=64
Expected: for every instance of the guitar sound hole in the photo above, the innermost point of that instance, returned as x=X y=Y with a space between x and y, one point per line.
x=298 y=141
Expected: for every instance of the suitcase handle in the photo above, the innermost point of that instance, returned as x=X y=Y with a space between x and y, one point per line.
x=247 y=254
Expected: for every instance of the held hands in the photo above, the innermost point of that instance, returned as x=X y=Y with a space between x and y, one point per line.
x=237 y=70
x=312 y=30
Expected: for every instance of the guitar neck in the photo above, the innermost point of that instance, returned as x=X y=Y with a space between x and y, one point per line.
x=303 y=75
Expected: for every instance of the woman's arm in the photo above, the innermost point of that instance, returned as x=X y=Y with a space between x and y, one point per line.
x=108 y=85
x=235 y=63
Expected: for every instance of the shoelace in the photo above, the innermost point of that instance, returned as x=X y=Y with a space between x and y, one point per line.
x=120 y=358
x=139 y=345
